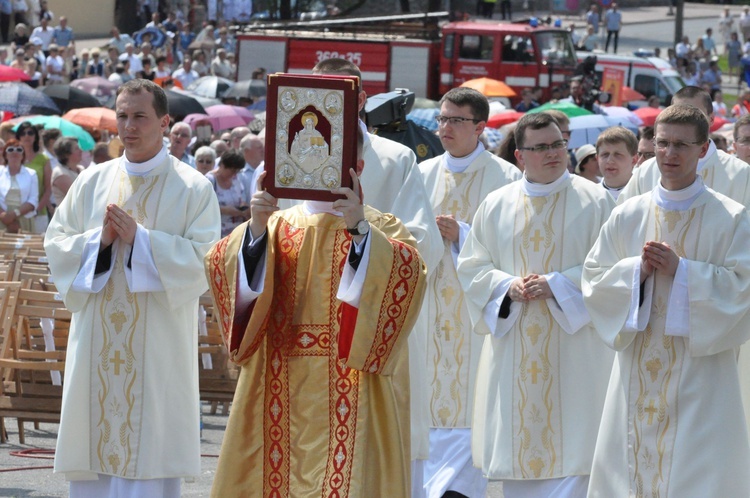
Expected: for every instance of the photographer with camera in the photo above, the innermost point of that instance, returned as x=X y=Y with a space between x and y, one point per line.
x=585 y=87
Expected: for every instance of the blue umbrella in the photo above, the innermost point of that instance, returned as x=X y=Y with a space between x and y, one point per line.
x=158 y=37
x=424 y=117
x=493 y=137
x=67 y=129
x=260 y=105
x=21 y=99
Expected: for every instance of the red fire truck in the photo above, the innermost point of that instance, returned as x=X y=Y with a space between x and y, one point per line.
x=421 y=52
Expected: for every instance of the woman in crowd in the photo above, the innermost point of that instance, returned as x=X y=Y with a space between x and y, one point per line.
x=720 y=108
x=230 y=191
x=199 y=63
x=205 y=158
x=20 y=36
x=69 y=156
x=19 y=190
x=28 y=135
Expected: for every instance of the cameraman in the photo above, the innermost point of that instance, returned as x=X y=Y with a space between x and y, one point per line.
x=582 y=95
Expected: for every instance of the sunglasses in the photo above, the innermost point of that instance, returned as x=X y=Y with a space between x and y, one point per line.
x=14 y=149
x=29 y=132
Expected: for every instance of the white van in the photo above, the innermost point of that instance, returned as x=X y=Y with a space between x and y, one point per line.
x=646 y=75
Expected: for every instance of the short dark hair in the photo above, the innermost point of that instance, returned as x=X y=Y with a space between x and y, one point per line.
x=337 y=66
x=743 y=120
x=647 y=133
x=232 y=159
x=49 y=135
x=683 y=114
x=692 y=92
x=461 y=96
x=138 y=85
x=534 y=121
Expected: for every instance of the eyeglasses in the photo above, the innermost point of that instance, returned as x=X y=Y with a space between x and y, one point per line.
x=14 y=149
x=453 y=120
x=646 y=155
x=560 y=144
x=29 y=133
x=207 y=160
x=677 y=146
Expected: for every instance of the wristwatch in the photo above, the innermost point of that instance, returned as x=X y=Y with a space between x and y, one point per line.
x=17 y=212
x=361 y=228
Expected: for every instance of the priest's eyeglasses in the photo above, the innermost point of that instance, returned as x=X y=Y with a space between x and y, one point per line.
x=677 y=146
x=453 y=120
x=559 y=144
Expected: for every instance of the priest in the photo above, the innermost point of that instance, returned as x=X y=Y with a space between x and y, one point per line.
x=457 y=182
x=125 y=248
x=667 y=285
x=316 y=303
x=542 y=371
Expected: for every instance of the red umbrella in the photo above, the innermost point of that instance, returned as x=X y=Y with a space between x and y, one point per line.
x=628 y=94
x=94 y=118
x=8 y=73
x=647 y=115
x=504 y=118
x=718 y=123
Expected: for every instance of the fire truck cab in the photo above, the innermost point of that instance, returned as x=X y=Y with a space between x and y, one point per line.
x=521 y=55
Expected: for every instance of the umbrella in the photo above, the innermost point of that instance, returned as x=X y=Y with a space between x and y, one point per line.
x=496 y=107
x=180 y=104
x=627 y=94
x=647 y=115
x=20 y=99
x=504 y=118
x=211 y=86
x=489 y=87
x=251 y=89
x=95 y=118
x=257 y=124
x=569 y=108
x=423 y=103
x=424 y=118
x=158 y=37
x=493 y=137
x=260 y=105
x=204 y=101
x=423 y=142
x=228 y=116
x=195 y=119
x=623 y=112
x=67 y=97
x=68 y=129
x=718 y=123
x=99 y=87
x=204 y=44
x=8 y=73
x=586 y=129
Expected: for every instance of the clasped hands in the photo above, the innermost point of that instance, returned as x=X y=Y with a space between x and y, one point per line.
x=263 y=205
x=117 y=224
x=530 y=288
x=658 y=256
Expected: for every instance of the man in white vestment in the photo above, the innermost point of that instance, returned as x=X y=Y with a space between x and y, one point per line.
x=542 y=372
x=457 y=182
x=126 y=250
x=393 y=184
x=720 y=171
x=667 y=285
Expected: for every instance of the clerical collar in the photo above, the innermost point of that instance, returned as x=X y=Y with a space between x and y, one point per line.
x=141 y=169
x=542 y=189
x=711 y=151
x=317 y=207
x=615 y=192
x=678 y=200
x=365 y=131
x=459 y=164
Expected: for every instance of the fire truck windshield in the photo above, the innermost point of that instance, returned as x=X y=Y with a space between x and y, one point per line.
x=556 y=47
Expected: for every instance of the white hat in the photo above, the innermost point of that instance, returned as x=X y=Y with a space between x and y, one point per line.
x=583 y=153
x=36 y=40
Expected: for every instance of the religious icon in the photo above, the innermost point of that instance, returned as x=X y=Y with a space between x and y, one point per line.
x=313 y=144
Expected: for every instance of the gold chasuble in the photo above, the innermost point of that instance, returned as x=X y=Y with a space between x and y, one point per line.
x=316 y=412
x=453 y=348
x=673 y=423
x=117 y=418
x=540 y=389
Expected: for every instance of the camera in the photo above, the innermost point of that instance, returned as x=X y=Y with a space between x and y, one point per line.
x=585 y=72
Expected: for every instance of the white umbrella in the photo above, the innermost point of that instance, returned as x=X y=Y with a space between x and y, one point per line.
x=586 y=129
x=497 y=107
x=623 y=112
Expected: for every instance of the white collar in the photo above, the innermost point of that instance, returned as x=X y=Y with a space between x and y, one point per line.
x=542 y=189
x=317 y=207
x=365 y=132
x=459 y=164
x=142 y=169
x=678 y=200
x=711 y=151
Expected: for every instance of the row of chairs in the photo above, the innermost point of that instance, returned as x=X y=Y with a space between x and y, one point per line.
x=34 y=325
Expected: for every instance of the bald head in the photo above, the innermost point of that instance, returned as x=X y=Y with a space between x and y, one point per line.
x=253 y=149
x=237 y=135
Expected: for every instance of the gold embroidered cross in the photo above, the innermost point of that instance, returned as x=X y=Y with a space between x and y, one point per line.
x=536 y=239
x=534 y=370
x=651 y=409
x=447 y=329
x=117 y=361
x=454 y=207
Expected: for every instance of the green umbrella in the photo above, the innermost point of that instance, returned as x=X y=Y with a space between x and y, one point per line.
x=569 y=108
x=68 y=129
